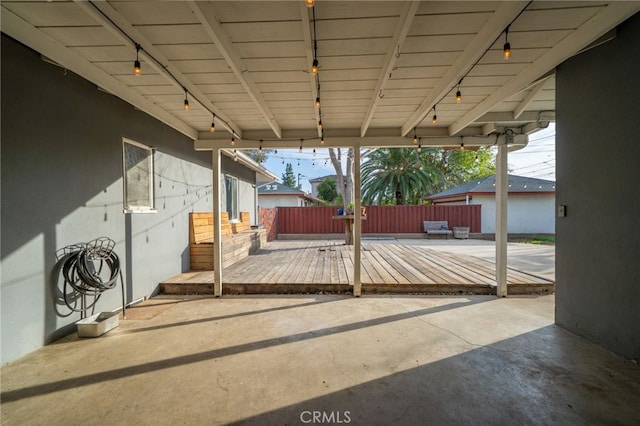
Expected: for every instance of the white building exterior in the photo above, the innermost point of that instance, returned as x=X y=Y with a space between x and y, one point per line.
x=530 y=206
x=278 y=195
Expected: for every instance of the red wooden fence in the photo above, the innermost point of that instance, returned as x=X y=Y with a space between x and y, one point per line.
x=380 y=219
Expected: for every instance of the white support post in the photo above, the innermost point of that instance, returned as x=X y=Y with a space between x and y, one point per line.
x=502 y=184
x=357 y=223
x=217 y=225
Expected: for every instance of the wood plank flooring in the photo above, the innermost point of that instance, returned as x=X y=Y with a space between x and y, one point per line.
x=312 y=266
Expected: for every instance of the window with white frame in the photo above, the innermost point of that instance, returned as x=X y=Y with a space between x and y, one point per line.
x=137 y=165
x=231 y=189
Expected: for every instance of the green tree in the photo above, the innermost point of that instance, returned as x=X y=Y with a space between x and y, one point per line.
x=397 y=176
x=459 y=166
x=407 y=176
x=288 y=178
x=259 y=155
x=327 y=190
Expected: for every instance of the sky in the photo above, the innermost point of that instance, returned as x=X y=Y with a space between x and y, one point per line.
x=537 y=160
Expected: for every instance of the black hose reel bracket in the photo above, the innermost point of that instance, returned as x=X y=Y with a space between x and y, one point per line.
x=89 y=269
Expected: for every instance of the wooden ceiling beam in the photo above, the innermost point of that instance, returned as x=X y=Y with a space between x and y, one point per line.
x=115 y=24
x=404 y=23
x=610 y=16
x=206 y=15
x=504 y=14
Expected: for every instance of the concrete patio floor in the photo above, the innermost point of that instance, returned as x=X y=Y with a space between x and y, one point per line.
x=375 y=360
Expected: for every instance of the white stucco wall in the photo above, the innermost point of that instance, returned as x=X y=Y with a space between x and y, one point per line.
x=526 y=214
x=271 y=201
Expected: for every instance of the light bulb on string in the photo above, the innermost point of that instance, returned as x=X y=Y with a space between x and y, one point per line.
x=506 y=50
x=213 y=123
x=310 y=3
x=320 y=124
x=318 y=101
x=233 y=141
x=458 y=93
x=314 y=66
x=186 y=101
x=137 y=70
x=415 y=137
x=260 y=148
x=434 y=120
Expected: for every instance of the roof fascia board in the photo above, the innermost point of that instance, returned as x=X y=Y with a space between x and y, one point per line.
x=404 y=23
x=504 y=14
x=207 y=17
x=610 y=16
x=251 y=164
x=31 y=36
x=147 y=52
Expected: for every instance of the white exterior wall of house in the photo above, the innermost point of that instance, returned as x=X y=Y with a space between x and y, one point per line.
x=271 y=201
x=526 y=214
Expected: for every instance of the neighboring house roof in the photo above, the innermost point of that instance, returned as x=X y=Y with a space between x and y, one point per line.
x=277 y=188
x=323 y=178
x=487 y=186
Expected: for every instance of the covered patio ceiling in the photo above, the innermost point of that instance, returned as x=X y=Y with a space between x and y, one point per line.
x=385 y=67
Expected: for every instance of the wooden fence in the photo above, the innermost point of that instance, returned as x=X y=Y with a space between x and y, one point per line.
x=380 y=219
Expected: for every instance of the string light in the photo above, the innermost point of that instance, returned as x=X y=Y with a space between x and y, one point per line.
x=260 y=149
x=322 y=138
x=310 y=3
x=318 y=101
x=506 y=50
x=458 y=93
x=136 y=64
x=186 y=101
x=235 y=155
x=314 y=152
x=314 y=66
x=461 y=146
x=213 y=123
x=275 y=153
x=233 y=141
x=415 y=138
x=434 y=120
x=419 y=147
x=320 y=124
x=300 y=150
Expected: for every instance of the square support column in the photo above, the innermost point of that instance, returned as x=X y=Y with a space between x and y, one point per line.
x=217 y=224
x=357 y=224
x=502 y=184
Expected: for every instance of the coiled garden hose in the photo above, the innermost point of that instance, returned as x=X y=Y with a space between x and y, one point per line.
x=82 y=279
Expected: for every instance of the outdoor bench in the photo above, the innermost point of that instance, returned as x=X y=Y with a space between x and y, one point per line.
x=238 y=239
x=437 y=227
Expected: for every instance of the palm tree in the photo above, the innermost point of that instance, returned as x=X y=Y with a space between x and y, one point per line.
x=398 y=176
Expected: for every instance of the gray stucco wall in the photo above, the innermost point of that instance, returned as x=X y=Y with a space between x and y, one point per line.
x=598 y=179
x=62 y=184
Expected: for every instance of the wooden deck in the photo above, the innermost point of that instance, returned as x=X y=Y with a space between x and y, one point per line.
x=314 y=266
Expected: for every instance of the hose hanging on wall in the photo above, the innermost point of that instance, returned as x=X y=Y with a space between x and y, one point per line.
x=82 y=269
